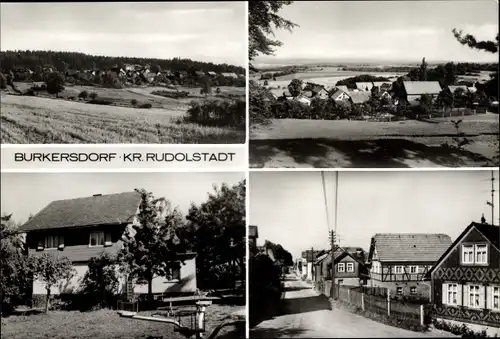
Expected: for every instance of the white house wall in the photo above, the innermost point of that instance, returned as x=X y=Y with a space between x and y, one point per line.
x=71 y=286
x=187 y=281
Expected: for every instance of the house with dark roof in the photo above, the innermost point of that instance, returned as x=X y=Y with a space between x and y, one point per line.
x=466 y=278
x=400 y=261
x=82 y=228
x=350 y=267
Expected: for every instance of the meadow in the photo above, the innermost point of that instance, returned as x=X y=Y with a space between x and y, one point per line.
x=106 y=324
x=69 y=119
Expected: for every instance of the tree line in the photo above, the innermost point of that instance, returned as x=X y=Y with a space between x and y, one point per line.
x=63 y=61
x=214 y=229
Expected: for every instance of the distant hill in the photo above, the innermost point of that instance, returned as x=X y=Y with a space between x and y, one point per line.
x=73 y=60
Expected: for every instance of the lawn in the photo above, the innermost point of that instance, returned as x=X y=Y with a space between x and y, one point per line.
x=319 y=143
x=106 y=324
x=38 y=120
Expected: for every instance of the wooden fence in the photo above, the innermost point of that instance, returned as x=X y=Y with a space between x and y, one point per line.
x=378 y=300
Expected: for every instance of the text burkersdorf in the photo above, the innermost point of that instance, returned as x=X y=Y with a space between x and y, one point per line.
x=125 y=157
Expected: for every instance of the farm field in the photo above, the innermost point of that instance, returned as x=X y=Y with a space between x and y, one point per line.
x=36 y=119
x=105 y=324
x=319 y=143
x=328 y=76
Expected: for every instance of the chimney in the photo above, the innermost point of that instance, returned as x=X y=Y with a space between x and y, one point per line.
x=97 y=195
x=483 y=219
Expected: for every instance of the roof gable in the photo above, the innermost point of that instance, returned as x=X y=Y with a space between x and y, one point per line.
x=490 y=232
x=412 y=247
x=89 y=211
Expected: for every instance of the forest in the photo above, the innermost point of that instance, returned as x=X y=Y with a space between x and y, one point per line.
x=62 y=61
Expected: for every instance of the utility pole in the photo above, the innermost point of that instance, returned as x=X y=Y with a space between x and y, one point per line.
x=492 y=202
x=332 y=246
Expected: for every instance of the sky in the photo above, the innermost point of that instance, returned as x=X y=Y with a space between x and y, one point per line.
x=203 y=31
x=289 y=207
x=27 y=193
x=385 y=30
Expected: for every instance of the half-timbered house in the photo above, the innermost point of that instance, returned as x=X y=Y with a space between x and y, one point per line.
x=400 y=261
x=466 y=278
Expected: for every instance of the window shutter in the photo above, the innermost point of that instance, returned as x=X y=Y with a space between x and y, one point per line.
x=444 y=294
x=459 y=294
x=489 y=297
x=482 y=295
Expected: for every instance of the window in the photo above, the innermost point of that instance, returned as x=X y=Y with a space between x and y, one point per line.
x=467 y=254
x=53 y=241
x=398 y=269
x=496 y=298
x=413 y=290
x=481 y=254
x=350 y=267
x=475 y=254
x=174 y=273
x=341 y=267
x=96 y=239
x=413 y=269
x=452 y=294
x=399 y=290
x=474 y=296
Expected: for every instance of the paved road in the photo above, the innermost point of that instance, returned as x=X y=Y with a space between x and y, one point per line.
x=306 y=314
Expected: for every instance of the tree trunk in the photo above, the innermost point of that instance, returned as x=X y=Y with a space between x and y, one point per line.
x=47 y=302
x=150 y=286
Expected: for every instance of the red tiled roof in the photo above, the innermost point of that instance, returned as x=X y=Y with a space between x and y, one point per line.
x=96 y=210
x=417 y=247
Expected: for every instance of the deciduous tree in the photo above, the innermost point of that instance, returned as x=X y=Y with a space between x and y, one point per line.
x=262 y=19
x=55 y=83
x=295 y=87
x=151 y=246
x=50 y=269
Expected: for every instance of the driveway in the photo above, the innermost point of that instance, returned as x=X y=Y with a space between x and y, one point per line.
x=307 y=314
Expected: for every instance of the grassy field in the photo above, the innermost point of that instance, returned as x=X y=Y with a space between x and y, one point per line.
x=318 y=143
x=105 y=324
x=38 y=120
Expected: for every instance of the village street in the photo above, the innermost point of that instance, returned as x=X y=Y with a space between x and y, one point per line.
x=307 y=314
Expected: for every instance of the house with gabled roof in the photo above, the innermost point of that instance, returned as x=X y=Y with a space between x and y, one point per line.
x=415 y=89
x=465 y=279
x=229 y=75
x=340 y=95
x=364 y=86
x=82 y=228
x=400 y=261
x=358 y=98
x=350 y=267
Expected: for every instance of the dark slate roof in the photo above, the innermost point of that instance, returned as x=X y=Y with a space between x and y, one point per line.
x=89 y=211
x=416 y=247
x=490 y=232
x=253 y=231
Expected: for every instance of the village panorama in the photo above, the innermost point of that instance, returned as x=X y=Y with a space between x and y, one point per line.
x=378 y=95
x=118 y=81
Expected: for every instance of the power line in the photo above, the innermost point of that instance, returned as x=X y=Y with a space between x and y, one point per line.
x=325 y=200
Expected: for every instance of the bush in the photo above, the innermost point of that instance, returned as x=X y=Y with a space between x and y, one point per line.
x=146 y=105
x=93 y=95
x=213 y=112
x=101 y=281
x=133 y=102
x=83 y=94
x=100 y=102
